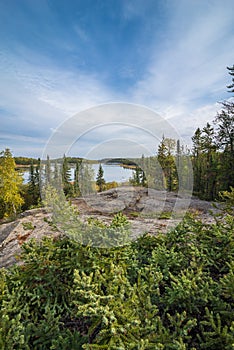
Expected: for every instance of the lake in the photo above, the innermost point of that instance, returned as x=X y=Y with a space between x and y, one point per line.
x=111 y=173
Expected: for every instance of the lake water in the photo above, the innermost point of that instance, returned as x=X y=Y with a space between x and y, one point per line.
x=111 y=173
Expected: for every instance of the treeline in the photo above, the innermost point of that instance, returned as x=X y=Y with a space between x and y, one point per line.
x=211 y=157
x=58 y=174
x=120 y=161
x=213 y=152
x=25 y=161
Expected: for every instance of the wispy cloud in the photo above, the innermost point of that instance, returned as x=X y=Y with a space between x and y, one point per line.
x=169 y=56
x=36 y=99
x=191 y=65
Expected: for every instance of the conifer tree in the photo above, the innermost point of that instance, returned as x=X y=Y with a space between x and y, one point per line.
x=197 y=161
x=225 y=138
x=100 y=181
x=37 y=181
x=86 y=178
x=76 y=179
x=167 y=162
x=57 y=181
x=136 y=180
x=231 y=72
x=143 y=179
x=209 y=150
x=48 y=171
x=66 y=178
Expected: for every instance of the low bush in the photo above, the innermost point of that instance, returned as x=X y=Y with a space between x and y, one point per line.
x=172 y=291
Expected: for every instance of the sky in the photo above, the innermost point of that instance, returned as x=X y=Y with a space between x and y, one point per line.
x=59 y=58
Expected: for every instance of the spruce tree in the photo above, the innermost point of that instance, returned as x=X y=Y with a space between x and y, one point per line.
x=209 y=149
x=48 y=171
x=86 y=179
x=76 y=179
x=197 y=162
x=66 y=178
x=136 y=180
x=32 y=186
x=100 y=181
x=225 y=138
x=167 y=162
x=231 y=72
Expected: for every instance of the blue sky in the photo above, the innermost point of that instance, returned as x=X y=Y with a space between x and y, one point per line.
x=59 y=57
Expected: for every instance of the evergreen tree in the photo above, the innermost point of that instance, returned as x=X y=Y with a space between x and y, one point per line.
x=37 y=181
x=167 y=162
x=32 y=197
x=76 y=179
x=136 y=180
x=57 y=181
x=209 y=150
x=225 y=138
x=197 y=162
x=48 y=171
x=31 y=179
x=100 y=181
x=56 y=172
x=143 y=172
x=10 y=183
x=143 y=179
x=86 y=179
x=66 y=178
x=231 y=72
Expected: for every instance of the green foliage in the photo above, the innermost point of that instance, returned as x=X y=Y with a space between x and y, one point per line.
x=31 y=191
x=167 y=162
x=27 y=225
x=165 y=215
x=25 y=160
x=112 y=184
x=76 y=185
x=10 y=182
x=100 y=181
x=228 y=196
x=213 y=153
x=86 y=178
x=171 y=291
x=120 y=220
x=66 y=178
x=95 y=233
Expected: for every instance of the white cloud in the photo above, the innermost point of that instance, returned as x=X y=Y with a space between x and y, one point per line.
x=183 y=80
x=187 y=74
x=36 y=99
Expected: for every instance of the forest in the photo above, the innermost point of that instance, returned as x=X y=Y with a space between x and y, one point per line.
x=162 y=291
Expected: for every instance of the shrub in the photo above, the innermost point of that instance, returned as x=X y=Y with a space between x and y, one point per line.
x=172 y=291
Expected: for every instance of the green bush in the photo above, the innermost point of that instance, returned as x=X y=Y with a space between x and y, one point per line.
x=172 y=291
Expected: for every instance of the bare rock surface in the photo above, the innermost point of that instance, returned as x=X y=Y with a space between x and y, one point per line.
x=31 y=224
x=148 y=211
x=140 y=200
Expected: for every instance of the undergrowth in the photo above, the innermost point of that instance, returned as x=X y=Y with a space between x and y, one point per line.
x=172 y=291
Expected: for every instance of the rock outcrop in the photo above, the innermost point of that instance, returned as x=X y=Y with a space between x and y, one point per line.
x=30 y=224
x=148 y=211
